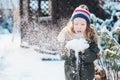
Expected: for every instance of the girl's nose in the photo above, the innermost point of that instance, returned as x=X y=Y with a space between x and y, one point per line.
x=79 y=27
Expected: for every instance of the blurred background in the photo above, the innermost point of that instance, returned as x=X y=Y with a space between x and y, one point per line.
x=36 y=23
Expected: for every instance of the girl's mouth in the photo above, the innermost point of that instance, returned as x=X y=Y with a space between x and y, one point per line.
x=79 y=31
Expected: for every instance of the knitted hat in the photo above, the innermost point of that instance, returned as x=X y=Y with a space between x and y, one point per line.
x=82 y=12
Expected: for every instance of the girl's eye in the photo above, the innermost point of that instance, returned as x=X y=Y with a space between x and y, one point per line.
x=79 y=24
x=76 y=24
x=83 y=24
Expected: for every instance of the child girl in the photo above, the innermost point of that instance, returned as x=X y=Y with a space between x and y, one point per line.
x=79 y=27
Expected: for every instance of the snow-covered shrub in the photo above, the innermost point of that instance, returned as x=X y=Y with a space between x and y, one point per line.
x=117 y=30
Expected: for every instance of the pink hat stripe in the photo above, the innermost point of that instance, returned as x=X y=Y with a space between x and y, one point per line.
x=82 y=11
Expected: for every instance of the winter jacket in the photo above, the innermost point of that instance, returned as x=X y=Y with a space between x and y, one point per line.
x=85 y=69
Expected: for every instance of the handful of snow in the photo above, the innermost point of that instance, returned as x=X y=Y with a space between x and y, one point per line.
x=77 y=44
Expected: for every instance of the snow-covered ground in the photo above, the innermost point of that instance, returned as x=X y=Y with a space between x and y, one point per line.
x=17 y=63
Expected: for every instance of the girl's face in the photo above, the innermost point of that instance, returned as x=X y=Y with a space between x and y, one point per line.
x=79 y=26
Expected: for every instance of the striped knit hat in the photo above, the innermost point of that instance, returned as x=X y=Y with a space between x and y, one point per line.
x=82 y=12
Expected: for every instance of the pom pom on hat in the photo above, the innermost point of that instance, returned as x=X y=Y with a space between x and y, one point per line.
x=82 y=12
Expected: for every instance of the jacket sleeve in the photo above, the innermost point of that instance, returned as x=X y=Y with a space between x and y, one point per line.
x=64 y=54
x=62 y=35
x=69 y=56
x=91 y=53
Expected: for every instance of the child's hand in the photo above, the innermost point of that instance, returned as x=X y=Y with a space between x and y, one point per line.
x=83 y=51
x=64 y=56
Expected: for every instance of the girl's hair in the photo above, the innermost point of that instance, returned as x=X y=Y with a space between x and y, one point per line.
x=90 y=33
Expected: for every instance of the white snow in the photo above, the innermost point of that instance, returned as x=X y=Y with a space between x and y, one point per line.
x=9 y=4
x=77 y=44
x=17 y=63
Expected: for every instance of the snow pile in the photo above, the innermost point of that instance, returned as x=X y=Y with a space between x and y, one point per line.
x=17 y=63
x=25 y=64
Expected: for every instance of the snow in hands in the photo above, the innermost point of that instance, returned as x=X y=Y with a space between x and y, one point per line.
x=77 y=45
